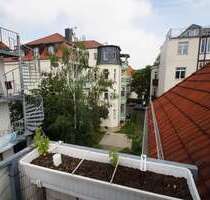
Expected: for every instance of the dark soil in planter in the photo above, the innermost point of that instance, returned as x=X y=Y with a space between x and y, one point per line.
x=68 y=163
x=97 y=170
x=152 y=182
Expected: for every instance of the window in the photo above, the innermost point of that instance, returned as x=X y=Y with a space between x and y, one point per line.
x=8 y=85
x=106 y=95
x=114 y=113
x=183 y=48
x=208 y=45
x=51 y=50
x=193 y=32
x=156 y=75
x=95 y=56
x=202 y=45
x=106 y=73
x=205 y=45
x=36 y=51
x=108 y=55
x=180 y=72
x=115 y=74
x=122 y=109
x=123 y=92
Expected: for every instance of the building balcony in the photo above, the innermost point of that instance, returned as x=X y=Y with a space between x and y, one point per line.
x=155 y=82
x=91 y=185
x=9 y=42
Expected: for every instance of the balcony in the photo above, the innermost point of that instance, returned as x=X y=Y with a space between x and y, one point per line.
x=82 y=183
x=155 y=82
x=9 y=43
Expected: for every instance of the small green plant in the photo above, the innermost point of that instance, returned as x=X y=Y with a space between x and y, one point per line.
x=113 y=157
x=41 y=142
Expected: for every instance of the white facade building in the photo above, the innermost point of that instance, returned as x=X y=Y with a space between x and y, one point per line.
x=180 y=56
x=116 y=96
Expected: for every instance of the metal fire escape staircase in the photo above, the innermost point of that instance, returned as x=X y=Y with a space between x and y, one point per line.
x=32 y=104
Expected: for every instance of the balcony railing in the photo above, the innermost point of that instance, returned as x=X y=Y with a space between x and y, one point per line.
x=9 y=42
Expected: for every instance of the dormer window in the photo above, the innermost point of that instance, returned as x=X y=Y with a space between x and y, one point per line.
x=51 y=50
x=36 y=51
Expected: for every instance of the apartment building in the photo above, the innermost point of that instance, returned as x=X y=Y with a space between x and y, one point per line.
x=114 y=65
x=183 y=52
x=42 y=48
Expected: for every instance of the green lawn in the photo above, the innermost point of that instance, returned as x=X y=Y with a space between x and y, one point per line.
x=134 y=130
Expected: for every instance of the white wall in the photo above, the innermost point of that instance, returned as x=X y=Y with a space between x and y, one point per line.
x=170 y=60
x=4 y=109
x=92 y=60
x=113 y=120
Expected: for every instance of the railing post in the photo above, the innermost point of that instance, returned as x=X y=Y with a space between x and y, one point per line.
x=21 y=80
x=0 y=34
x=14 y=180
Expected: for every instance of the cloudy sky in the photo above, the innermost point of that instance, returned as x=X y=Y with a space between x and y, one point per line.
x=137 y=26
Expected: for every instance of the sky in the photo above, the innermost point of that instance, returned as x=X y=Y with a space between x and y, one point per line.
x=139 y=27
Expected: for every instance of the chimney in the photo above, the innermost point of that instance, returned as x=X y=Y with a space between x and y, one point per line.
x=69 y=34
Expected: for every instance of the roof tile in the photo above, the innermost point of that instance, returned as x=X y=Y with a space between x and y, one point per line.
x=183 y=117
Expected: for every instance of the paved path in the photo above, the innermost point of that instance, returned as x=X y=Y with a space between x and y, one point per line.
x=115 y=140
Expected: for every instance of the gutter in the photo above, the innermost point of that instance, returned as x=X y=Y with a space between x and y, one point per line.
x=160 y=154
x=145 y=135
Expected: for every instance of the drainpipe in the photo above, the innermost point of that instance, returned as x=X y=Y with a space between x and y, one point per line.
x=157 y=134
x=145 y=135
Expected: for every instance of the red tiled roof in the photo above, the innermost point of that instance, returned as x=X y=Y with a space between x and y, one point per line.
x=183 y=117
x=3 y=46
x=54 y=38
x=91 y=44
x=130 y=71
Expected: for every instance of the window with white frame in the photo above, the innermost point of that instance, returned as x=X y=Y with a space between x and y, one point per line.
x=205 y=45
x=123 y=92
x=106 y=73
x=95 y=56
x=183 y=48
x=114 y=114
x=115 y=74
x=180 y=72
x=122 y=108
x=51 y=50
x=36 y=51
x=106 y=95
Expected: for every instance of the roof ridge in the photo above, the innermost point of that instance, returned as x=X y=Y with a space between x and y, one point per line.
x=45 y=37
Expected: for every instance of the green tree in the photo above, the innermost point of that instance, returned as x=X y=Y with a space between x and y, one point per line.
x=72 y=98
x=141 y=83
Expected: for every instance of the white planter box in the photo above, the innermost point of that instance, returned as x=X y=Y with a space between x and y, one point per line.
x=92 y=189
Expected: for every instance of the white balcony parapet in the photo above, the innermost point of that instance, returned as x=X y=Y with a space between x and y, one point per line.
x=92 y=189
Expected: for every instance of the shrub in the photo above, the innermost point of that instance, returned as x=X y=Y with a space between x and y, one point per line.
x=113 y=158
x=41 y=142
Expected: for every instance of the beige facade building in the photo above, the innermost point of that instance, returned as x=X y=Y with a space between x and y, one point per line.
x=182 y=53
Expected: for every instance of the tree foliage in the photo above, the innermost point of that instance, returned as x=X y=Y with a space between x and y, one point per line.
x=141 y=83
x=71 y=93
